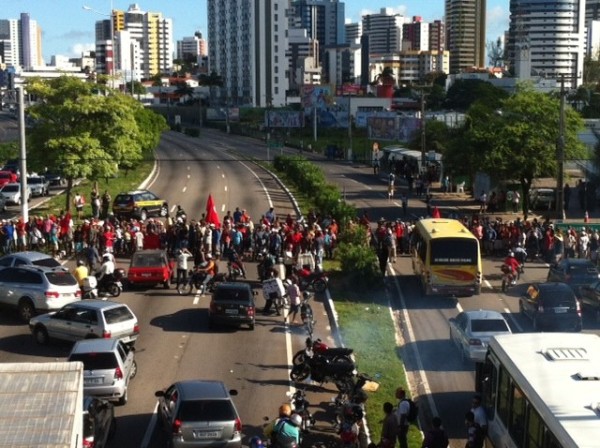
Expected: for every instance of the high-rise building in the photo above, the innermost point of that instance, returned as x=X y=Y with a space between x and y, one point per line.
x=465 y=33
x=548 y=37
x=353 y=32
x=192 y=47
x=21 y=42
x=437 y=36
x=592 y=10
x=415 y=35
x=248 y=41
x=148 y=40
x=592 y=23
x=384 y=31
x=302 y=55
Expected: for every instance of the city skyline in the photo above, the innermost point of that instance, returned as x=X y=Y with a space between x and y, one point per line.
x=78 y=35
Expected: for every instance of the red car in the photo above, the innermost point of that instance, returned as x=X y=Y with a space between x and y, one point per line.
x=7 y=177
x=149 y=268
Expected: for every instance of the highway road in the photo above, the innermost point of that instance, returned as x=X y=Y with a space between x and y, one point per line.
x=175 y=342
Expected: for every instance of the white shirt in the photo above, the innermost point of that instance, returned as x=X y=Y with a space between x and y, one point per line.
x=403 y=409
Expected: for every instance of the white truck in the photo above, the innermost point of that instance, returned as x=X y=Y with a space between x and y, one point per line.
x=41 y=405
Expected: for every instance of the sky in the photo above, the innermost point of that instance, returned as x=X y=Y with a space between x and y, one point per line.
x=68 y=29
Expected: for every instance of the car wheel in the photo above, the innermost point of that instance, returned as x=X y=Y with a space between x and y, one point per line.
x=26 y=310
x=164 y=210
x=251 y=326
x=133 y=370
x=143 y=215
x=166 y=284
x=123 y=399
x=41 y=335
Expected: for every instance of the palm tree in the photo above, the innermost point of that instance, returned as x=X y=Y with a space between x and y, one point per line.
x=212 y=80
x=386 y=77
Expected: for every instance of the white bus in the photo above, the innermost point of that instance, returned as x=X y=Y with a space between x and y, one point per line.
x=542 y=390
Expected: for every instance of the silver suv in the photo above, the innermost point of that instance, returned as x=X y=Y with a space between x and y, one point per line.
x=108 y=366
x=32 y=289
x=199 y=414
x=87 y=319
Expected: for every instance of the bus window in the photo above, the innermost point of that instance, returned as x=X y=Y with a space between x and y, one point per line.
x=504 y=396
x=535 y=430
x=454 y=251
x=487 y=375
x=516 y=427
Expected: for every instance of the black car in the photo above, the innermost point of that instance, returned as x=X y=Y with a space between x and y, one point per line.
x=233 y=304
x=575 y=272
x=551 y=307
x=139 y=204
x=55 y=178
x=589 y=296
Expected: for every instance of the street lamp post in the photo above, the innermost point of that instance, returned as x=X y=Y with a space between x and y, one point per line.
x=112 y=69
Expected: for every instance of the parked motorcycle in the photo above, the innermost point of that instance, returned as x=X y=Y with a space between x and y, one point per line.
x=318 y=347
x=306 y=312
x=300 y=406
x=323 y=370
x=316 y=280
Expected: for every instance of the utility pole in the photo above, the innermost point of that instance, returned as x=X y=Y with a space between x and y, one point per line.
x=423 y=138
x=23 y=156
x=560 y=149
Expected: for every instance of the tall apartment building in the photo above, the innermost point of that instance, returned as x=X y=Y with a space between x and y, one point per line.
x=592 y=10
x=415 y=35
x=21 y=42
x=592 y=23
x=302 y=55
x=547 y=39
x=344 y=64
x=437 y=36
x=192 y=47
x=465 y=33
x=148 y=37
x=248 y=41
x=353 y=32
x=384 y=31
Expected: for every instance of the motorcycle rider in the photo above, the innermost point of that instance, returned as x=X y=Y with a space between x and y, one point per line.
x=286 y=432
x=235 y=258
x=209 y=271
x=81 y=273
x=285 y=411
x=105 y=274
x=513 y=265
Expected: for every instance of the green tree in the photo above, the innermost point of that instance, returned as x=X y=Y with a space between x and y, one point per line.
x=518 y=141
x=184 y=90
x=465 y=92
x=437 y=136
x=86 y=135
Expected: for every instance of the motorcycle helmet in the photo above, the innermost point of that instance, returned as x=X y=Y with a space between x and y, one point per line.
x=285 y=410
x=106 y=257
x=80 y=262
x=296 y=420
x=256 y=442
x=208 y=256
x=511 y=254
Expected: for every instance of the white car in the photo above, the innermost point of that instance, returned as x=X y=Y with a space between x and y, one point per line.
x=12 y=193
x=38 y=185
x=471 y=331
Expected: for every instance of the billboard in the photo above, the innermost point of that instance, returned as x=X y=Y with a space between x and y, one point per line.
x=220 y=113
x=284 y=119
x=382 y=127
x=315 y=96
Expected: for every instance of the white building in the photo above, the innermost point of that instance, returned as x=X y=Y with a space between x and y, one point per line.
x=9 y=42
x=384 y=31
x=303 y=56
x=247 y=48
x=21 y=42
x=344 y=65
x=415 y=65
x=353 y=32
x=553 y=33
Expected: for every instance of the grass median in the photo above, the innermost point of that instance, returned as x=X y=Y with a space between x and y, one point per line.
x=367 y=326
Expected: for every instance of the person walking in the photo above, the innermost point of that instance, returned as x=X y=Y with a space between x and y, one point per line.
x=475 y=436
x=293 y=292
x=79 y=202
x=436 y=437
x=404 y=201
x=402 y=418
x=183 y=255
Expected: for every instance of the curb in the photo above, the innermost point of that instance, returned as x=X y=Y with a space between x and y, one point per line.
x=151 y=177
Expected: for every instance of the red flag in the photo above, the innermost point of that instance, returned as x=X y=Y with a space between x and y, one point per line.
x=212 y=217
x=436 y=213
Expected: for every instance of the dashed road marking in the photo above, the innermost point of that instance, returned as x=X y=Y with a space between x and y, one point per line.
x=184 y=188
x=225 y=187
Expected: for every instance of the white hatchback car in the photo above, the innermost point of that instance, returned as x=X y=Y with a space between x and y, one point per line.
x=12 y=193
x=471 y=331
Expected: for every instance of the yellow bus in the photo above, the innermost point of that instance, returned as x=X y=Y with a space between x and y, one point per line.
x=446 y=257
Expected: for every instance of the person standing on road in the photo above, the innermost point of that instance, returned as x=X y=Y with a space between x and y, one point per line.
x=479 y=414
x=475 y=436
x=567 y=196
x=293 y=292
x=183 y=256
x=404 y=204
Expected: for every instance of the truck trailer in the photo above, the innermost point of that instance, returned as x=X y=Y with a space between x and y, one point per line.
x=41 y=405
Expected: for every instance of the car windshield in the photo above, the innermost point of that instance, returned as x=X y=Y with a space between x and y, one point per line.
x=35 y=180
x=583 y=271
x=206 y=410
x=118 y=314
x=61 y=278
x=488 y=325
x=47 y=262
x=5 y=176
x=96 y=361
x=10 y=188
x=144 y=260
x=230 y=294
x=558 y=299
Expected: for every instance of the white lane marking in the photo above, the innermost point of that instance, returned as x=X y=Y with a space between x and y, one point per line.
x=189 y=176
x=260 y=182
x=189 y=168
x=397 y=204
x=225 y=187
x=223 y=175
x=196 y=298
x=219 y=167
x=511 y=316
x=150 y=428
x=173 y=208
x=223 y=208
x=184 y=188
x=411 y=334
x=459 y=308
x=488 y=284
